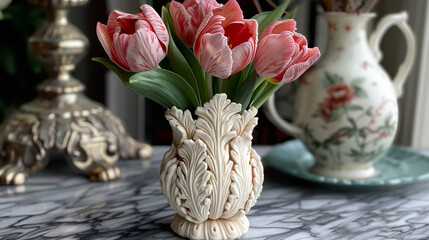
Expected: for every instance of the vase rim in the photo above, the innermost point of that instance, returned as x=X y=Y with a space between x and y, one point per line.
x=345 y=14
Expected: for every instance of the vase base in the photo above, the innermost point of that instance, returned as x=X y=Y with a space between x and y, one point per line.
x=210 y=229
x=342 y=173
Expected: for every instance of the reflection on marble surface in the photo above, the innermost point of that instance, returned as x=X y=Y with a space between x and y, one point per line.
x=57 y=204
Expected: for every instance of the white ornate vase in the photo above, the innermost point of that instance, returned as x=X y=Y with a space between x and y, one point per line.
x=211 y=176
x=345 y=108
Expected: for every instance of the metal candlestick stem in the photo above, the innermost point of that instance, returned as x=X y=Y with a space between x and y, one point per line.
x=62 y=119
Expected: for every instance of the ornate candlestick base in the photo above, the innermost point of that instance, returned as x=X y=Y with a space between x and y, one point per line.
x=62 y=119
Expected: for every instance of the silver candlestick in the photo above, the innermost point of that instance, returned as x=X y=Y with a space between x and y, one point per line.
x=62 y=119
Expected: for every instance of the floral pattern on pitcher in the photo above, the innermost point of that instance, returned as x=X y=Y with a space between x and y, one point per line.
x=339 y=105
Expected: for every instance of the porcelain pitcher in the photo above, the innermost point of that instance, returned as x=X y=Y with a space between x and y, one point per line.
x=346 y=111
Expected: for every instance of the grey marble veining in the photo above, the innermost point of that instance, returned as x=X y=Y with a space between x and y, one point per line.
x=57 y=204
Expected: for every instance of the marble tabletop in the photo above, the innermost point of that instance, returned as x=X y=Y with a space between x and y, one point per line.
x=58 y=204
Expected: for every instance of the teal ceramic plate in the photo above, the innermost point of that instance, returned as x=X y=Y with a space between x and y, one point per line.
x=397 y=166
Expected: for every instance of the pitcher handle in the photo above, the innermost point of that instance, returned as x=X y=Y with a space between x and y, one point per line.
x=272 y=114
x=400 y=20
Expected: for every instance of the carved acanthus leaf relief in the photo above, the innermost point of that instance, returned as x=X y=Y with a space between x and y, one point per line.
x=214 y=128
x=211 y=173
x=258 y=179
x=193 y=181
x=241 y=178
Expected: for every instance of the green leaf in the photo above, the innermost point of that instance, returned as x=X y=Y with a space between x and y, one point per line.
x=331 y=78
x=335 y=141
x=353 y=123
x=216 y=85
x=258 y=91
x=177 y=61
x=164 y=87
x=122 y=74
x=344 y=131
x=8 y=60
x=350 y=107
x=230 y=84
x=355 y=153
x=363 y=132
x=290 y=15
x=369 y=112
x=194 y=64
x=273 y=16
x=245 y=92
x=261 y=17
x=335 y=115
x=357 y=81
x=190 y=57
x=359 y=92
x=234 y=83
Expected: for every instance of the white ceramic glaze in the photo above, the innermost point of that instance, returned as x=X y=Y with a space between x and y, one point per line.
x=345 y=109
x=211 y=175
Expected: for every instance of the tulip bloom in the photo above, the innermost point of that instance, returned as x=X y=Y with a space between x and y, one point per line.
x=225 y=42
x=283 y=55
x=187 y=17
x=136 y=42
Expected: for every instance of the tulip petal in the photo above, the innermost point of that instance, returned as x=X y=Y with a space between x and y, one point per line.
x=210 y=5
x=196 y=13
x=274 y=53
x=158 y=25
x=278 y=27
x=112 y=22
x=119 y=49
x=242 y=55
x=215 y=56
x=241 y=31
x=296 y=70
x=231 y=11
x=104 y=38
x=182 y=23
x=144 y=51
x=300 y=39
x=190 y=3
x=211 y=24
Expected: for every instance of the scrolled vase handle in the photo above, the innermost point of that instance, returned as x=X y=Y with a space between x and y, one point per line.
x=400 y=20
x=272 y=114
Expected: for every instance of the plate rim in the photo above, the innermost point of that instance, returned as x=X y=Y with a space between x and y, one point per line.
x=309 y=176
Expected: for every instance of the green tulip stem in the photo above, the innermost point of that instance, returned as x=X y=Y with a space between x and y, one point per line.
x=259 y=80
x=208 y=87
x=270 y=90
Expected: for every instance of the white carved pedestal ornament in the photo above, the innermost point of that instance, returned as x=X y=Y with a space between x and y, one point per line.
x=211 y=175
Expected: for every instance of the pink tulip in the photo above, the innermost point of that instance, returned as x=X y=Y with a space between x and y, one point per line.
x=136 y=42
x=283 y=55
x=225 y=42
x=187 y=17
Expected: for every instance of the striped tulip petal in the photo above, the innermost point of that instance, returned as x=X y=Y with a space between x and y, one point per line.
x=187 y=17
x=135 y=42
x=235 y=40
x=215 y=57
x=103 y=36
x=283 y=55
x=274 y=53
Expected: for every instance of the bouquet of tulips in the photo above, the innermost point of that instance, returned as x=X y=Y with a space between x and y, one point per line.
x=201 y=48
